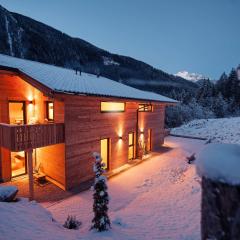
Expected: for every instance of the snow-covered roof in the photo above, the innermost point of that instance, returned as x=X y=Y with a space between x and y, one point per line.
x=65 y=80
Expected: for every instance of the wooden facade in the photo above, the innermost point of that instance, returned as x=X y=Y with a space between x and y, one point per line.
x=64 y=147
x=85 y=126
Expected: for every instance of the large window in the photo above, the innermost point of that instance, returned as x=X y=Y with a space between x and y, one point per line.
x=50 y=111
x=17 y=112
x=112 y=107
x=145 y=108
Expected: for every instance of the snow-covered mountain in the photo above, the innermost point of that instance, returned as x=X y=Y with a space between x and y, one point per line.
x=194 y=77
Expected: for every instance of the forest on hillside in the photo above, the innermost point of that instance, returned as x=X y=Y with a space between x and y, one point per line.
x=210 y=100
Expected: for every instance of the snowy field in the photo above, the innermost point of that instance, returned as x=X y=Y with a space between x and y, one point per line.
x=157 y=199
x=223 y=130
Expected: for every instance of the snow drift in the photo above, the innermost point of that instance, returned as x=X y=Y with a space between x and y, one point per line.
x=220 y=162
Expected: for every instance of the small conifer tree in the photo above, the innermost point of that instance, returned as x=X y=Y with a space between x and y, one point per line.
x=101 y=221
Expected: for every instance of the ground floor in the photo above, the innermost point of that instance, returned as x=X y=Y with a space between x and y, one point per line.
x=157 y=199
x=51 y=164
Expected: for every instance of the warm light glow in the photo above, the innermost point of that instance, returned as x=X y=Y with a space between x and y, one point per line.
x=105 y=151
x=18 y=163
x=30 y=97
x=142 y=136
x=16 y=112
x=120 y=134
x=112 y=107
x=130 y=146
x=50 y=111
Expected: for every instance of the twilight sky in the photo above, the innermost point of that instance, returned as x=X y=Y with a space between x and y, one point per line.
x=201 y=36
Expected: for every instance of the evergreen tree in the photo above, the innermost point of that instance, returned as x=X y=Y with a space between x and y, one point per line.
x=101 y=221
x=206 y=93
x=220 y=106
x=220 y=85
x=232 y=85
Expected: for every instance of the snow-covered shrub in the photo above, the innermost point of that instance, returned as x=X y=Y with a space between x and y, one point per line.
x=72 y=222
x=101 y=221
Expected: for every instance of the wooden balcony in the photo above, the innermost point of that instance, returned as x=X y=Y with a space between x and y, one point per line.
x=23 y=137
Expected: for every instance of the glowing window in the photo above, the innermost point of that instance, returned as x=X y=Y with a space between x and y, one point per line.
x=105 y=151
x=131 y=146
x=112 y=107
x=50 y=110
x=145 y=108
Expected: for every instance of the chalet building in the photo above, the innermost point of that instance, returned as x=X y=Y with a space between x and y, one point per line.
x=52 y=119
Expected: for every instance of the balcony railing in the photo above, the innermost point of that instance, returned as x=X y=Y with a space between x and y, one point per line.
x=23 y=137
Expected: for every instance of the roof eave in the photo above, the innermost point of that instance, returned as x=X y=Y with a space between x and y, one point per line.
x=111 y=96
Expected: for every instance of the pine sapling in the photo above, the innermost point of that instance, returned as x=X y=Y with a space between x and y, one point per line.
x=101 y=221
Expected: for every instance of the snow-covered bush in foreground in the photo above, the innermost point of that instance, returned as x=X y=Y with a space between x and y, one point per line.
x=101 y=221
x=220 y=162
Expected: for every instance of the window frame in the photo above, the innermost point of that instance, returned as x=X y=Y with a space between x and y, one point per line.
x=108 y=151
x=114 y=111
x=47 y=111
x=131 y=145
x=24 y=109
x=145 y=107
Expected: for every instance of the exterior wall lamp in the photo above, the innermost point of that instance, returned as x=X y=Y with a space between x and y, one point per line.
x=120 y=137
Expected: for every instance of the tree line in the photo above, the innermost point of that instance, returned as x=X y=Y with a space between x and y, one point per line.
x=211 y=100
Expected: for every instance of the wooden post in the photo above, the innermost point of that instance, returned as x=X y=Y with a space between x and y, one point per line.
x=30 y=174
x=220 y=210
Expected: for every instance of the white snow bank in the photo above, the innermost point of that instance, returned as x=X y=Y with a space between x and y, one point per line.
x=223 y=130
x=7 y=191
x=220 y=162
x=26 y=220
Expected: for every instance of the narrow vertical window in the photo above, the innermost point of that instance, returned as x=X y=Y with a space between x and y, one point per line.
x=105 y=152
x=131 y=146
x=50 y=111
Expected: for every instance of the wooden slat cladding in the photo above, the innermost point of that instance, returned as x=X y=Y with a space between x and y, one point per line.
x=15 y=87
x=85 y=126
x=52 y=159
x=22 y=137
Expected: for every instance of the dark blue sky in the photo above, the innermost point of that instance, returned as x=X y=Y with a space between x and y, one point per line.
x=200 y=36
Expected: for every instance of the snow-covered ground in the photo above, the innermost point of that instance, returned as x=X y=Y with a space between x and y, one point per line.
x=157 y=199
x=224 y=130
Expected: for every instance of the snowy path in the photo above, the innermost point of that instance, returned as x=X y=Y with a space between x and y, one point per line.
x=158 y=199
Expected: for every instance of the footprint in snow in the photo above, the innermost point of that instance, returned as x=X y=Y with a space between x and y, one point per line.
x=146 y=183
x=195 y=190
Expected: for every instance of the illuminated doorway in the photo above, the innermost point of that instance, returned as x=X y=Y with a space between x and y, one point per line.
x=105 y=152
x=149 y=140
x=131 y=146
x=17 y=116
x=18 y=163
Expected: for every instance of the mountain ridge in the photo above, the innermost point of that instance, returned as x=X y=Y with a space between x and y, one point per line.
x=23 y=37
